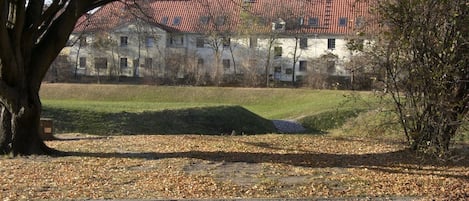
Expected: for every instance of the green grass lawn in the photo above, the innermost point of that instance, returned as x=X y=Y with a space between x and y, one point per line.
x=268 y=103
x=87 y=106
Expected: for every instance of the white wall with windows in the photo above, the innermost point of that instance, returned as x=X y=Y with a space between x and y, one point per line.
x=141 y=50
x=132 y=49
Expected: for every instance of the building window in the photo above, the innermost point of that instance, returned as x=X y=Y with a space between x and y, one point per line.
x=204 y=19
x=164 y=20
x=279 y=26
x=313 y=21
x=148 y=62
x=226 y=63
x=288 y=71
x=176 y=40
x=220 y=20
x=150 y=41
x=200 y=42
x=124 y=63
x=343 y=21
x=277 y=51
x=82 y=62
x=277 y=72
x=331 y=43
x=226 y=41
x=83 y=41
x=252 y=42
x=176 y=21
x=100 y=62
x=303 y=66
x=303 y=43
x=124 y=41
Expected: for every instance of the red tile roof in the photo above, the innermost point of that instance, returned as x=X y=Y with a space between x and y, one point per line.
x=187 y=15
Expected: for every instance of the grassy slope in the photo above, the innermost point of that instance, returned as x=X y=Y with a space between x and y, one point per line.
x=268 y=103
x=101 y=107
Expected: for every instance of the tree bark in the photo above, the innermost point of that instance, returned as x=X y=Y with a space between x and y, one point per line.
x=24 y=130
x=5 y=131
x=29 y=43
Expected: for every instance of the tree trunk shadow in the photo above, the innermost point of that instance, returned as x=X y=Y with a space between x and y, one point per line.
x=403 y=161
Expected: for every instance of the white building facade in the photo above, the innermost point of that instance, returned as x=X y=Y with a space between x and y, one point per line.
x=174 y=44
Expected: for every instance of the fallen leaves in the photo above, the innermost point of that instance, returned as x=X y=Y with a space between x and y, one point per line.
x=194 y=166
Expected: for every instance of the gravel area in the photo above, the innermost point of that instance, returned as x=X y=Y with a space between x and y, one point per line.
x=288 y=126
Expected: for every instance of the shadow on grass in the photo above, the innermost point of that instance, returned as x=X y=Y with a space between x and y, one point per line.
x=204 y=120
x=391 y=162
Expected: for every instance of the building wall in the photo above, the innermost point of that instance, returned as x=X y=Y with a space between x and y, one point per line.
x=176 y=55
x=253 y=59
x=143 y=47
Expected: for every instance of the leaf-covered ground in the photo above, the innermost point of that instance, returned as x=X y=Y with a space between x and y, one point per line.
x=261 y=166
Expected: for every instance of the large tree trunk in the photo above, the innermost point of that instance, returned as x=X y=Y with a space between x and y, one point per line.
x=32 y=33
x=26 y=128
x=20 y=129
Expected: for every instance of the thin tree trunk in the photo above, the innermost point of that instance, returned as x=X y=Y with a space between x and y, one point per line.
x=293 y=81
x=267 y=63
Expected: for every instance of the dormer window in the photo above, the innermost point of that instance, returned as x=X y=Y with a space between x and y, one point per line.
x=220 y=20
x=279 y=25
x=204 y=19
x=342 y=21
x=164 y=20
x=313 y=21
x=176 y=21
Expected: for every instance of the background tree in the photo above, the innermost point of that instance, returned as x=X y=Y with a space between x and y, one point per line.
x=295 y=23
x=102 y=45
x=60 y=70
x=423 y=47
x=257 y=25
x=31 y=36
x=217 y=28
x=319 y=76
